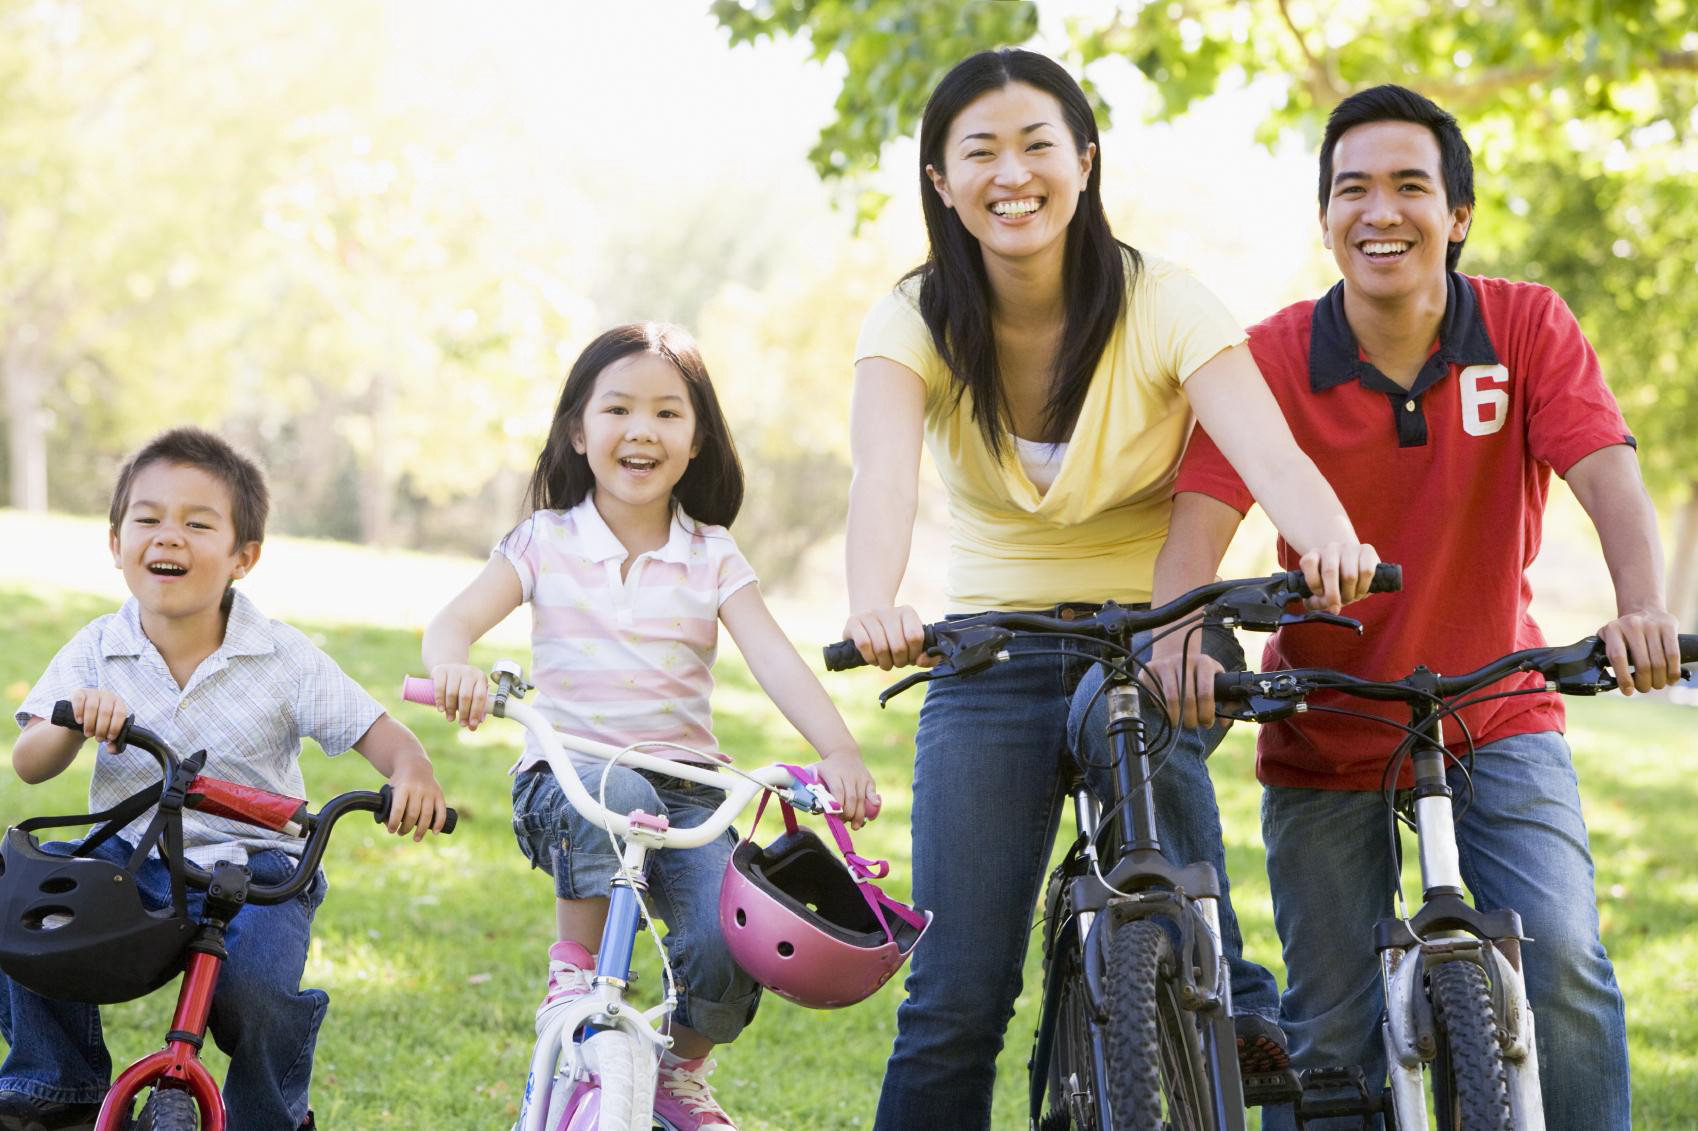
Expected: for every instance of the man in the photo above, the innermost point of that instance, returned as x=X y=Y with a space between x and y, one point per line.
x=1437 y=405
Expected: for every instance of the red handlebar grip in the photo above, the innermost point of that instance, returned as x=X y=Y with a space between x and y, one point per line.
x=418 y=689
x=245 y=803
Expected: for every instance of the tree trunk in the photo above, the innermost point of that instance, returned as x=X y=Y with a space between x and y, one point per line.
x=377 y=474
x=27 y=420
x=1683 y=563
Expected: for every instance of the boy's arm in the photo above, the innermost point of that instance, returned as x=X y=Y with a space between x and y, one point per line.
x=1198 y=534
x=788 y=683
x=1643 y=636
x=395 y=752
x=44 y=751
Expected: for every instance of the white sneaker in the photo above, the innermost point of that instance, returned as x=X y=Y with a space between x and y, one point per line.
x=683 y=1098
x=570 y=968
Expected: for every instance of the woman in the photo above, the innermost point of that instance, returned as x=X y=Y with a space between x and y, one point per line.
x=1054 y=372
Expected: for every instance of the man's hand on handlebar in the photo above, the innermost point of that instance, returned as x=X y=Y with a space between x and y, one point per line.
x=1191 y=701
x=1338 y=573
x=889 y=637
x=1643 y=648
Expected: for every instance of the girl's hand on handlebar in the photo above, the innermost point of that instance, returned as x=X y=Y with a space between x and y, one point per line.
x=462 y=693
x=1191 y=700
x=101 y=713
x=416 y=803
x=849 y=780
x=889 y=637
x=1338 y=573
x=1643 y=650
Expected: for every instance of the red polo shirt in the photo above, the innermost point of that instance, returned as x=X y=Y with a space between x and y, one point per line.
x=1449 y=479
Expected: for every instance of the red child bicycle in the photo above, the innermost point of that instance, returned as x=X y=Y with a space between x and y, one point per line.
x=75 y=926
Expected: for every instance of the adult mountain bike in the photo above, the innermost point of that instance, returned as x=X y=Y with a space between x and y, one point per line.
x=1136 y=1028
x=1456 y=1015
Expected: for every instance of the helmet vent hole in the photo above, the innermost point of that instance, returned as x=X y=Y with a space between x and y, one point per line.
x=48 y=918
x=742 y=919
x=58 y=885
x=785 y=950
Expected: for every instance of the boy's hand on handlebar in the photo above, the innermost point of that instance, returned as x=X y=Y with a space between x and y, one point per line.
x=462 y=693
x=1191 y=699
x=849 y=780
x=416 y=804
x=101 y=713
x=889 y=637
x=1338 y=573
x=1643 y=649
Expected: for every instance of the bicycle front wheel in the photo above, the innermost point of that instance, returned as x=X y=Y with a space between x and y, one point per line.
x=1157 y=1080
x=1470 y=1084
x=626 y=1099
x=168 y=1109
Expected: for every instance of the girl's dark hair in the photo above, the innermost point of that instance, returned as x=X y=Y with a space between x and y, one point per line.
x=250 y=501
x=711 y=489
x=1097 y=269
x=1399 y=104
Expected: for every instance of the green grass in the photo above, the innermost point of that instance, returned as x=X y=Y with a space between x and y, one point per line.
x=433 y=953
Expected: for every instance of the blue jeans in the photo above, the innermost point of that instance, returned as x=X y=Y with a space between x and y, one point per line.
x=715 y=997
x=1522 y=845
x=260 y=1015
x=990 y=776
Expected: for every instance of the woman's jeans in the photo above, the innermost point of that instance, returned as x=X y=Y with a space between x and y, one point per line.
x=990 y=776
x=260 y=1014
x=1522 y=845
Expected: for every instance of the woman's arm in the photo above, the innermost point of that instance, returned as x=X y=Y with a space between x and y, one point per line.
x=462 y=691
x=1197 y=537
x=886 y=423
x=1233 y=404
x=779 y=669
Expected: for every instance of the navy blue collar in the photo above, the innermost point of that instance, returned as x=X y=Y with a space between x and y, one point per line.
x=1335 y=358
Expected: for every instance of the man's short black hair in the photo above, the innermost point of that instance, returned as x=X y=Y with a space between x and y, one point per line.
x=1399 y=104
x=250 y=500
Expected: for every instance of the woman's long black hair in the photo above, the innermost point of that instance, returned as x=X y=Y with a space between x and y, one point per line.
x=1097 y=269
x=711 y=489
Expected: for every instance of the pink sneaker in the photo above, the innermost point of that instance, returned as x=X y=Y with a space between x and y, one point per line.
x=682 y=1096
x=570 y=968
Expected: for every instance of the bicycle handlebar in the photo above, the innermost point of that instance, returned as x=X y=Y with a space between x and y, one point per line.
x=739 y=788
x=251 y=805
x=1572 y=669
x=1273 y=592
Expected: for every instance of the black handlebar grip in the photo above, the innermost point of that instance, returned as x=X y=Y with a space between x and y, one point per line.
x=842 y=656
x=1689 y=648
x=1388 y=578
x=450 y=821
x=65 y=715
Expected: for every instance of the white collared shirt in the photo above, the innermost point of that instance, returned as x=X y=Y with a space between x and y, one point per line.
x=248 y=705
x=624 y=659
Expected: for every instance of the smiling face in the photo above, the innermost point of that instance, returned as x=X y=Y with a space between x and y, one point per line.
x=1012 y=171
x=176 y=543
x=1387 y=222
x=638 y=432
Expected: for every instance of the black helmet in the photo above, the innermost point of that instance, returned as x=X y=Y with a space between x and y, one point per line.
x=74 y=927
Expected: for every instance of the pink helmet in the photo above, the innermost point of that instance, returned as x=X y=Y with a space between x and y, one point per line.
x=808 y=926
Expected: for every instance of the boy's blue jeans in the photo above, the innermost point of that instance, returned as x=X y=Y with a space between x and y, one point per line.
x=715 y=997
x=260 y=1015
x=989 y=783
x=1522 y=844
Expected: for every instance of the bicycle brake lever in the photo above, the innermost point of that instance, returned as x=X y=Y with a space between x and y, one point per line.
x=1288 y=619
x=970 y=649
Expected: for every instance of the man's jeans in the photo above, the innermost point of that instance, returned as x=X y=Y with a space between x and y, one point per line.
x=1522 y=844
x=989 y=783
x=260 y=1015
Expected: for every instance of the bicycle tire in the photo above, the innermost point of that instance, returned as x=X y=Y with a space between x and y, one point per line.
x=613 y=1052
x=1471 y=1085
x=1157 y=1079
x=168 y=1109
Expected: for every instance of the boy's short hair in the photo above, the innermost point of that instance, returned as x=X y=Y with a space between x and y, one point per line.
x=250 y=499
x=1390 y=103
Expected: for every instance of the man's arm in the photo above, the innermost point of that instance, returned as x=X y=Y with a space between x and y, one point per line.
x=1643 y=638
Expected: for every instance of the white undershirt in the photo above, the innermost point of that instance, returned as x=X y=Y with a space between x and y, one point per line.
x=1040 y=461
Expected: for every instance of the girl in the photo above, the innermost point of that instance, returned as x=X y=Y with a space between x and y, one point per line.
x=627 y=563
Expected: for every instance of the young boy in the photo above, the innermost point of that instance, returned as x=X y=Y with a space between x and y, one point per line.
x=1438 y=404
x=196 y=663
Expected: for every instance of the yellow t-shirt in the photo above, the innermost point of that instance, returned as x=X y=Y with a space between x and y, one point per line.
x=1095 y=533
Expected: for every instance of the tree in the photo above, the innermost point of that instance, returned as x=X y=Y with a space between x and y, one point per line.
x=1581 y=114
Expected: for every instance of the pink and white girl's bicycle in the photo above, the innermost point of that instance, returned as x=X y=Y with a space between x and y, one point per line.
x=810 y=927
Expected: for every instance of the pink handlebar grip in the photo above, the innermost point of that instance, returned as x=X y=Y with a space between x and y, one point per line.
x=418 y=689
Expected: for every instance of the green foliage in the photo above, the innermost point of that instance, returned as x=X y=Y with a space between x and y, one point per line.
x=433 y=954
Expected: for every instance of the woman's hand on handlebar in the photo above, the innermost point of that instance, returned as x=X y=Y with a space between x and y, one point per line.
x=1191 y=699
x=462 y=693
x=889 y=637
x=1338 y=573
x=849 y=780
